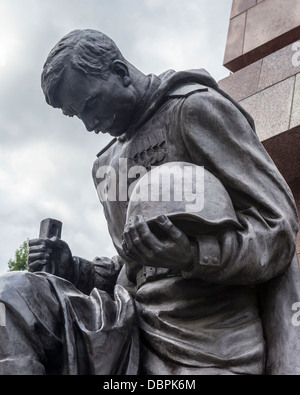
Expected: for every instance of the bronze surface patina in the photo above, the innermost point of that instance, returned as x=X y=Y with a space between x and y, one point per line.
x=185 y=300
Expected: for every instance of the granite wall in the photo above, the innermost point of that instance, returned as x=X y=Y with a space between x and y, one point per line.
x=269 y=90
x=263 y=51
x=258 y=28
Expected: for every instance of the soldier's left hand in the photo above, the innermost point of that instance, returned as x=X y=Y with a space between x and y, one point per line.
x=140 y=244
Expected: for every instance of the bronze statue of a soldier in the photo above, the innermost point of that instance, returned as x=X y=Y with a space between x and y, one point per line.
x=217 y=302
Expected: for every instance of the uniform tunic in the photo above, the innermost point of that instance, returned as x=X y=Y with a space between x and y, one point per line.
x=206 y=320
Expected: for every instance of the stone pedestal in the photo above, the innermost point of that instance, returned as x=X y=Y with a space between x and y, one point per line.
x=263 y=51
x=259 y=28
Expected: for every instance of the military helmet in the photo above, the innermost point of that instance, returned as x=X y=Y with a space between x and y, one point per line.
x=189 y=195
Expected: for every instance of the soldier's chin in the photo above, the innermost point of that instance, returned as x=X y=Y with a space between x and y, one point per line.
x=115 y=132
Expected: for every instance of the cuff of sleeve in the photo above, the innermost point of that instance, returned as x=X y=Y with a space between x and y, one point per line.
x=85 y=275
x=208 y=259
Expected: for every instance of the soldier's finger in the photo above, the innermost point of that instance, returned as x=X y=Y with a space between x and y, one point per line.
x=131 y=246
x=38 y=249
x=127 y=252
x=138 y=242
x=144 y=231
x=36 y=242
x=50 y=243
x=37 y=266
x=164 y=223
x=127 y=239
x=38 y=256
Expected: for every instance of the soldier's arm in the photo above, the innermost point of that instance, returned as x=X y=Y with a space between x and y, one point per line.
x=217 y=135
x=101 y=273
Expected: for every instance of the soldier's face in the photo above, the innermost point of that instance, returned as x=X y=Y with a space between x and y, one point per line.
x=105 y=106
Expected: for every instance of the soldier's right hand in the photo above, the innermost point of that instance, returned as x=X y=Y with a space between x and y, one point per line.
x=51 y=256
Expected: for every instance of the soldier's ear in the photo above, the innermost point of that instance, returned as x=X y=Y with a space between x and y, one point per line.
x=121 y=69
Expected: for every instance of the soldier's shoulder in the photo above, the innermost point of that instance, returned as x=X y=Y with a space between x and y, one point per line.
x=187 y=89
x=205 y=99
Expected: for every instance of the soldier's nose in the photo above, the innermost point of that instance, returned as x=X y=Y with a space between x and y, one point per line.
x=90 y=123
x=89 y=128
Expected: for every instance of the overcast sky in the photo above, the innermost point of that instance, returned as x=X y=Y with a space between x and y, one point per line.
x=46 y=158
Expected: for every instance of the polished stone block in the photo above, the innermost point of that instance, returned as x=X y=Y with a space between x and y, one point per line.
x=278 y=66
x=234 y=47
x=243 y=83
x=266 y=79
x=266 y=72
x=284 y=150
x=240 y=6
x=269 y=20
x=271 y=108
x=261 y=30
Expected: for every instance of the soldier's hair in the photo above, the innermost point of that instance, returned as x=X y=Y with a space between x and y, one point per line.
x=88 y=51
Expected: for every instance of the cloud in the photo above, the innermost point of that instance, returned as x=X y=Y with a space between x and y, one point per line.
x=46 y=158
